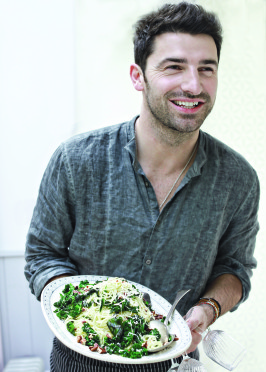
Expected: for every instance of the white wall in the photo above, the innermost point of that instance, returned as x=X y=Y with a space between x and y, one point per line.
x=37 y=107
x=37 y=112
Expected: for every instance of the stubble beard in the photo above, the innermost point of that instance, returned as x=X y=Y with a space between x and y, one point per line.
x=173 y=126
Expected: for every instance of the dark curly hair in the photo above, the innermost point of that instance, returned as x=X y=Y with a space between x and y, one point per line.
x=182 y=17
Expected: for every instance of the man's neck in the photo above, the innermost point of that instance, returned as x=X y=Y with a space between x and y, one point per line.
x=162 y=151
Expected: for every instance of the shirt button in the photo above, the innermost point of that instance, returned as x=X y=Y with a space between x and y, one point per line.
x=148 y=262
x=146 y=184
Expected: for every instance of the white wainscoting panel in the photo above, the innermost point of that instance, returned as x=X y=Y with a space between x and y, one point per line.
x=24 y=329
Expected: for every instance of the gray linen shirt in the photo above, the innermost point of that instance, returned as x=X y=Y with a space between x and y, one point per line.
x=97 y=214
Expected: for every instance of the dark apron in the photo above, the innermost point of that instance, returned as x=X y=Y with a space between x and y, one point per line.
x=63 y=359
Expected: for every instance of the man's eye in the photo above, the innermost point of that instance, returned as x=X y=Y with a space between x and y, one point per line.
x=207 y=71
x=173 y=67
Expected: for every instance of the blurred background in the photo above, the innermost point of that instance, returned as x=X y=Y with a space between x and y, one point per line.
x=64 y=69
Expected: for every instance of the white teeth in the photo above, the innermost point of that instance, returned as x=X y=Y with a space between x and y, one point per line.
x=186 y=104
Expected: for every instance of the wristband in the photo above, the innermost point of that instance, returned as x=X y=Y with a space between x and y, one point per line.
x=214 y=304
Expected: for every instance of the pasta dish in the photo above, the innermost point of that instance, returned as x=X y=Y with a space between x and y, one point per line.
x=109 y=316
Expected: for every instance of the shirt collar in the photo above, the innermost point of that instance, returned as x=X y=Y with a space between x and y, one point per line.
x=195 y=169
x=201 y=158
x=131 y=143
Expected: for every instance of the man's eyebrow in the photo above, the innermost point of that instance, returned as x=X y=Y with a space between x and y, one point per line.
x=176 y=60
x=208 y=62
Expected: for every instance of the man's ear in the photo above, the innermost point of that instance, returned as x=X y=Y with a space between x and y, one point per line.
x=137 y=77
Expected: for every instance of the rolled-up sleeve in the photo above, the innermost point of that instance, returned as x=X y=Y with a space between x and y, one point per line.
x=52 y=225
x=237 y=245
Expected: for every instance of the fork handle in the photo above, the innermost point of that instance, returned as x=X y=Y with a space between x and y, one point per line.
x=179 y=295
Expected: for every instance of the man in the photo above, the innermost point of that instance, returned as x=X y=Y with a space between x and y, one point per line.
x=155 y=199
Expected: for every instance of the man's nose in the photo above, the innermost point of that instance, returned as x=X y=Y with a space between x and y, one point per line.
x=191 y=82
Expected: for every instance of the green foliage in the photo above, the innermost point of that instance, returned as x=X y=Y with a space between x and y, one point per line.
x=71 y=328
x=72 y=300
x=127 y=337
x=91 y=335
x=122 y=304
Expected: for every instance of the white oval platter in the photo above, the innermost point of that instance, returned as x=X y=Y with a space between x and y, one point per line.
x=178 y=326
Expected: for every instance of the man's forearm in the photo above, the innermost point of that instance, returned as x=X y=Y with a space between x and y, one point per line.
x=227 y=290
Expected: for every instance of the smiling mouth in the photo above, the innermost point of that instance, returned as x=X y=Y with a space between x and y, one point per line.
x=187 y=105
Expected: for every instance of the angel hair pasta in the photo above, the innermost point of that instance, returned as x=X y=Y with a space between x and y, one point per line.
x=109 y=316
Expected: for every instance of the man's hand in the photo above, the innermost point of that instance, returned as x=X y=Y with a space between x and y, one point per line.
x=198 y=318
x=227 y=290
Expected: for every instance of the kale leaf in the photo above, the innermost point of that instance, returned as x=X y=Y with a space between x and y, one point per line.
x=71 y=328
x=72 y=300
x=91 y=335
x=122 y=304
x=127 y=337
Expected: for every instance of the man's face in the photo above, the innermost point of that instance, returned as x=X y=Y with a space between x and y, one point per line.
x=181 y=80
